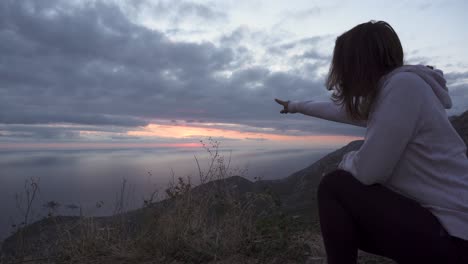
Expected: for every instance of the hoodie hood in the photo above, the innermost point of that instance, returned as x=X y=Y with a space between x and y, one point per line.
x=433 y=77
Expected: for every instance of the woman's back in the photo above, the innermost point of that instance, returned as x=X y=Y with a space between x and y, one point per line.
x=433 y=168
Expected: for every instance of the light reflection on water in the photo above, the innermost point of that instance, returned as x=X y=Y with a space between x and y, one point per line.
x=87 y=177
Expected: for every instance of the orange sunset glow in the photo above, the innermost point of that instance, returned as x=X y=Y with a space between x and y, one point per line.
x=189 y=131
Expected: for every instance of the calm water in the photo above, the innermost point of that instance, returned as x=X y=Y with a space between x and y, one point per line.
x=86 y=178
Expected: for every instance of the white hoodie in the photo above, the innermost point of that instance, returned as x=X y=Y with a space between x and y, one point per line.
x=410 y=145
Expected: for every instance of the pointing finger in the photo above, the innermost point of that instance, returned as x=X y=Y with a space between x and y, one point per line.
x=280 y=102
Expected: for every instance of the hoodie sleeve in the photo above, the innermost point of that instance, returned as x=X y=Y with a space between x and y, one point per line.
x=324 y=110
x=391 y=127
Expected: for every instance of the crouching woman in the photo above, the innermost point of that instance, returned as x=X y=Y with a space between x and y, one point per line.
x=404 y=193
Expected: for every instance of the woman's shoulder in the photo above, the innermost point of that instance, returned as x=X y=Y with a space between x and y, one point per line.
x=400 y=85
x=419 y=80
x=403 y=82
x=408 y=72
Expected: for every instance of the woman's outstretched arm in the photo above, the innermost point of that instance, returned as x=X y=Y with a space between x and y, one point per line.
x=324 y=110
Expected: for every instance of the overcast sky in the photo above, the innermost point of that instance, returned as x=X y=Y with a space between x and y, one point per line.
x=115 y=73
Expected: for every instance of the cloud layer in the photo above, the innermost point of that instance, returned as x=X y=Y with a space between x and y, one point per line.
x=87 y=64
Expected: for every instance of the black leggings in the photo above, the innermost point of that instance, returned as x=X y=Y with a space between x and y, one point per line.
x=377 y=220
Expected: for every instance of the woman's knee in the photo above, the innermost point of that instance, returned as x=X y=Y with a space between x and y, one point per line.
x=332 y=182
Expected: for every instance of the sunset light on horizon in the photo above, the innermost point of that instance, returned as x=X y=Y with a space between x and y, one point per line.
x=193 y=131
x=169 y=136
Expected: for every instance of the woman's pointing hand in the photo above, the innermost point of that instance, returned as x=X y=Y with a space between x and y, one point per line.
x=284 y=104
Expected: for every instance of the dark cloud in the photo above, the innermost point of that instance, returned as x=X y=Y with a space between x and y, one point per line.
x=188 y=8
x=39 y=162
x=299 y=15
x=91 y=65
x=460 y=90
x=417 y=60
x=180 y=11
x=313 y=55
x=416 y=57
x=457 y=83
x=454 y=77
x=310 y=43
x=13 y=133
x=459 y=95
x=235 y=36
x=26 y=117
x=22 y=133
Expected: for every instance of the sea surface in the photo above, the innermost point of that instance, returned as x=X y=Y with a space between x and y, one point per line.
x=91 y=181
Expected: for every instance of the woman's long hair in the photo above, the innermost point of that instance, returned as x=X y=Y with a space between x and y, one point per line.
x=362 y=56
